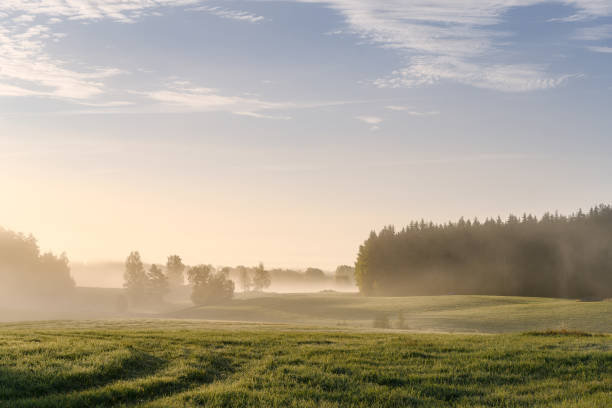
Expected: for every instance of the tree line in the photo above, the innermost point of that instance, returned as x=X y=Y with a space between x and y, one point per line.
x=551 y=256
x=26 y=272
x=208 y=284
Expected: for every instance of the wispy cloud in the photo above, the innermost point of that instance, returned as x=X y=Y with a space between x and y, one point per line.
x=442 y=40
x=374 y=121
x=24 y=18
x=370 y=120
x=184 y=96
x=605 y=50
x=499 y=77
x=116 y=10
x=596 y=33
x=448 y=40
x=411 y=111
x=26 y=26
x=26 y=67
x=231 y=14
x=111 y=104
x=27 y=70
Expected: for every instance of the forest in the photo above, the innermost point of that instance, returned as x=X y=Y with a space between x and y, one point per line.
x=551 y=256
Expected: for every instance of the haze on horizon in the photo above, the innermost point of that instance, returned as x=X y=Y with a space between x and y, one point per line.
x=233 y=132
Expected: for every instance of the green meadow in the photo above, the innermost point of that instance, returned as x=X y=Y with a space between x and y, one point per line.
x=159 y=363
x=319 y=350
x=464 y=314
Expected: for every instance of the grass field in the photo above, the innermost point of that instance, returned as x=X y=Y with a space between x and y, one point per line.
x=458 y=314
x=319 y=350
x=183 y=363
x=467 y=314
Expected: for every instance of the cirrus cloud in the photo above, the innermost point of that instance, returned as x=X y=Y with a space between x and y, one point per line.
x=455 y=41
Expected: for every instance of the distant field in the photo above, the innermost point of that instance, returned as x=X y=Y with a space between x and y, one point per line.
x=183 y=363
x=456 y=314
x=484 y=314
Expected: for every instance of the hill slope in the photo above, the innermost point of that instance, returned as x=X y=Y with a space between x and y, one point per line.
x=488 y=314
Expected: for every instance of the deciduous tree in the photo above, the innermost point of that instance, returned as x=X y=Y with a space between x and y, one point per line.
x=175 y=271
x=136 y=281
x=261 y=278
x=209 y=286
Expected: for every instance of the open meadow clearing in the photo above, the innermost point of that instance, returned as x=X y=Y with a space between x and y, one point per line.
x=180 y=363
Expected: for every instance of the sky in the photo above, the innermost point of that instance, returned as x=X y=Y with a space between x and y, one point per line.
x=233 y=132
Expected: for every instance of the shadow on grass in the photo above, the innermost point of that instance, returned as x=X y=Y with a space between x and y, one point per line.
x=23 y=382
x=141 y=378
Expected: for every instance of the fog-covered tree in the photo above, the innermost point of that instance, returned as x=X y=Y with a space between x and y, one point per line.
x=135 y=278
x=158 y=284
x=175 y=271
x=314 y=274
x=261 y=278
x=244 y=277
x=209 y=286
x=554 y=256
x=24 y=271
x=345 y=275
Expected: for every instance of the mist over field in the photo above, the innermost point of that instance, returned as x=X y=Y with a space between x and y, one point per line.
x=554 y=256
x=110 y=275
x=305 y=203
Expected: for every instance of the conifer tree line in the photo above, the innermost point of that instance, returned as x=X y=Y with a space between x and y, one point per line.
x=551 y=256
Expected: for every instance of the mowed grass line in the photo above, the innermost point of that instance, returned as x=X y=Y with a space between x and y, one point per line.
x=155 y=364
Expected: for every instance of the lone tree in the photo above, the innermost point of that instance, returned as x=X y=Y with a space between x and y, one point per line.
x=209 y=286
x=246 y=283
x=261 y=278
x=136 y=280
x=175 y=270
x=158 y=283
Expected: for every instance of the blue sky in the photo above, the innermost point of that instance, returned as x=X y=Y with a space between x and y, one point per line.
x=244 y=131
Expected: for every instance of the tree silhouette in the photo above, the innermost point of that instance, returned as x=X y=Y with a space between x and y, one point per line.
x=136 y=281
x=24 y=271
x=261 y=278
x=345 y=275
x=175 y=270
x=246 y=283
x=158 y=283
x=314 y=274
x=209 y=286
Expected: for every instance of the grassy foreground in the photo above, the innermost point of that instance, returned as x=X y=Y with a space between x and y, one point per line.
x=188 y=364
